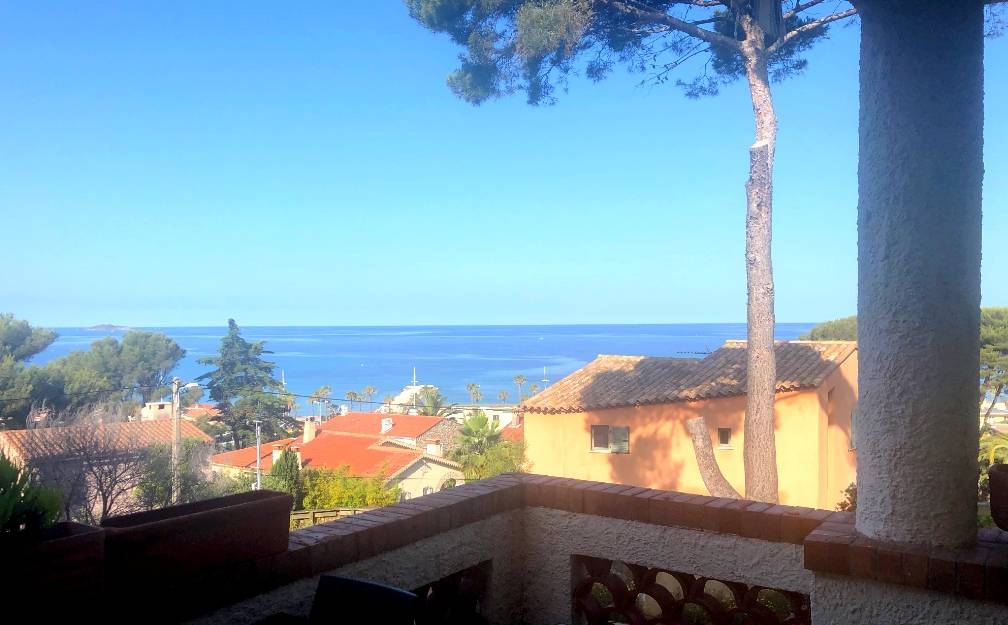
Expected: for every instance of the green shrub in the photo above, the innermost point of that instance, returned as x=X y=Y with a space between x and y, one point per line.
x=26 y=507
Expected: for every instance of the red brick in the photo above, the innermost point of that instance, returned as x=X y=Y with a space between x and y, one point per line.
x=997 y=574
x=712 y=513
x=844 y=517
x=971 y=571
x=632 y=504
x=915 y=567
x=942 y=570
x=756 y=523
x=817 y=554
x=688 y=509
x=594 y=498
x=889 y=563
x=568 y=496
x=660 y=509
x=863 y=552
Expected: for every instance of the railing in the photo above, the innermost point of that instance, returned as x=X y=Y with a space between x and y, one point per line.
x=307 y=518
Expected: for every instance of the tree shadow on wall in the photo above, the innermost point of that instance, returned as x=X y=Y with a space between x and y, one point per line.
x=655 y=397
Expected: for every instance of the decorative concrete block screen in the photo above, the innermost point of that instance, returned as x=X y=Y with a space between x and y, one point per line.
x=607 y=591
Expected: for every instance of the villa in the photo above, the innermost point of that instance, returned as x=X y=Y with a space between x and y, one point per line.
x=622 y=419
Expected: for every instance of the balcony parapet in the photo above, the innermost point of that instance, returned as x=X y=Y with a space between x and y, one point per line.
x=531 y=531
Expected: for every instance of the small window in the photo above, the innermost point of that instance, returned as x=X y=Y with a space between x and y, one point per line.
x=428 y=490
x=404 y=495
x=724 y=437
x=600 y=438
x=612 y=439
x=160 y=406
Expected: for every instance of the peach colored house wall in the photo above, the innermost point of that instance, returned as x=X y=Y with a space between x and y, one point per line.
x=661 y=453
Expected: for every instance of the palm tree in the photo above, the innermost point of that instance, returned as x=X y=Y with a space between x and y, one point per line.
x=478 y=434
x=433 y=403
x=533 y=389
x=502 y=397
x=474 y=392
x=369 y=392
x=352 y=396
x=519 y=381
x=319 y=396
x=993 y=447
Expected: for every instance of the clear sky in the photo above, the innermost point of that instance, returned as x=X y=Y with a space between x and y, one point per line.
x=305 y=163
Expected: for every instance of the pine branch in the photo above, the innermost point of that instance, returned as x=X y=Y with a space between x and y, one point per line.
x=646 y=15
x=811 y=26
x=799 y=7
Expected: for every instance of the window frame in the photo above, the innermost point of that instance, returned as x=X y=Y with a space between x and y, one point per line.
x=727 y=445
x=591 y=442
x=612 y=446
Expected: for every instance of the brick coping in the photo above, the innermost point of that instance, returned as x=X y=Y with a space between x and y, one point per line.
x=829 y=542
x=977 y=572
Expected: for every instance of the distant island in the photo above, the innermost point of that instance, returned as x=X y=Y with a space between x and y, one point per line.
x=107 y=327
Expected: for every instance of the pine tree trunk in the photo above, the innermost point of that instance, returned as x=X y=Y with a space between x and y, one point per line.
x=759 y=451
x=997 y=393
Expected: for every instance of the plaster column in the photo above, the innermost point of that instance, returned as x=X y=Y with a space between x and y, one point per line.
x=919 y=180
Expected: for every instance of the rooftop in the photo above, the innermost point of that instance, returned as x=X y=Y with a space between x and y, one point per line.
x=370 y=423
x=612 y=381
x=128 y=434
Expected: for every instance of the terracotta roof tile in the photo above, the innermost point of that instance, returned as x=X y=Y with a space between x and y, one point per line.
x=362 y=455
x=614 y=381
x=404 y=426
x=129 y=434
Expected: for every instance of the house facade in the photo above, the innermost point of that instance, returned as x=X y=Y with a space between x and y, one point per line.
x=622 y=419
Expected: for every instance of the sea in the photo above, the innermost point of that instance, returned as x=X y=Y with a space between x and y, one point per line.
x=449 y=357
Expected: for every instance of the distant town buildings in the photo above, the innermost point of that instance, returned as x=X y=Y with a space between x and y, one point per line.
x=407 y=451
x=622 y=419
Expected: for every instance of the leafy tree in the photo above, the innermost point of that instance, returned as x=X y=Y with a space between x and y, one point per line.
x=502 y=396
x=433 y=403
x=478 y=434
x=475 y=394
x=20 y=341
x=243 y=386
x=519 y=381
x=329 y=488
x=482 y=453
x=26 y=506
x=993 y=354
x=849 y=503
x=285 y=476
x=993 y=348
x=844 y=329
x=536 y=45
x=154 y=489
x=146 y=360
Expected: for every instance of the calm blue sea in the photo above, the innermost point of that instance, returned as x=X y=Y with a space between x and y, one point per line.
x=350 y=358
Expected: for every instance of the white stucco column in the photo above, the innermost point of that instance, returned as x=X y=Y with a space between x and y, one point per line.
x=919 y=181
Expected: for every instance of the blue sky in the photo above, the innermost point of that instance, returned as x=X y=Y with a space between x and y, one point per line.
x=306 y=164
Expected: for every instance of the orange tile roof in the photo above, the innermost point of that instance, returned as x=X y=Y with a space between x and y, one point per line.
x=614 y=381
x=128 y=434
x=369 y=423
x=513 y=434
x=362 y=455
x=201 y=410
